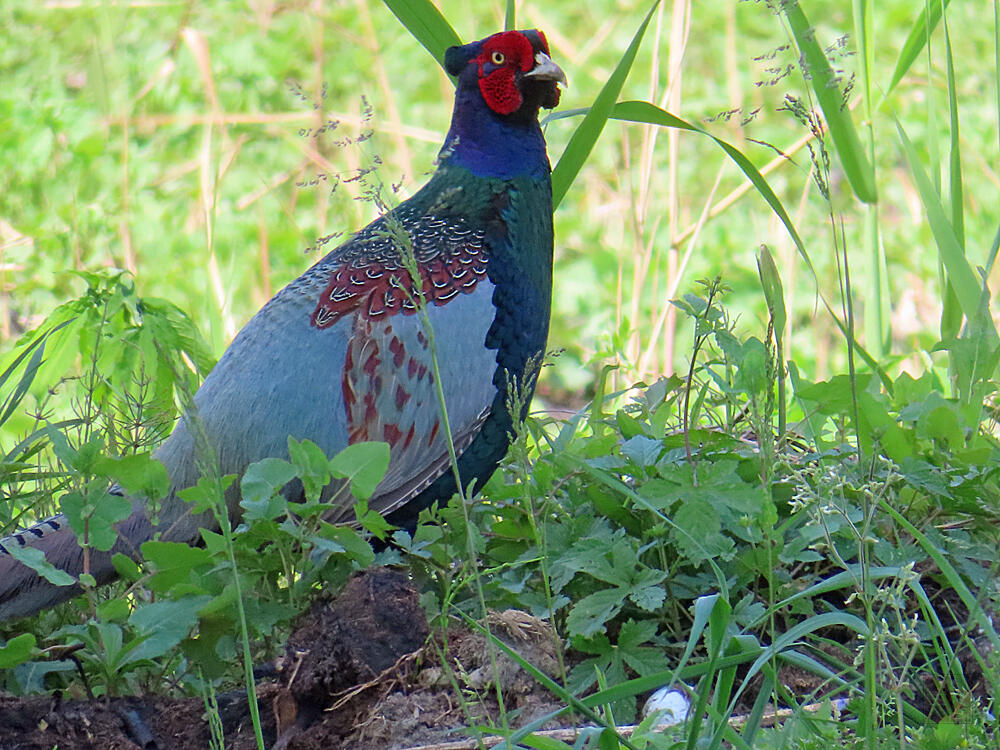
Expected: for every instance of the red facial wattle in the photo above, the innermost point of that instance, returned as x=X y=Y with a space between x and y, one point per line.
x=497 y=86
x=500 y=91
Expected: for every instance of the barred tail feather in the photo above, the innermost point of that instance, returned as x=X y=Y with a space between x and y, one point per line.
x=24 y=592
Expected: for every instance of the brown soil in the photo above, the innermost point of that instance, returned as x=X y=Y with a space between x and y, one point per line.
x=359 y=674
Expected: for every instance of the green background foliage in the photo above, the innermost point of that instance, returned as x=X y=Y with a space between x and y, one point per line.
x=739 y=456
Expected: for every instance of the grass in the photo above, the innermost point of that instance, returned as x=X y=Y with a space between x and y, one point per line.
x=195 y=147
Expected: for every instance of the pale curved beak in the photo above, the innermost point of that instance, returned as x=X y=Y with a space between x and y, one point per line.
x=547 y=70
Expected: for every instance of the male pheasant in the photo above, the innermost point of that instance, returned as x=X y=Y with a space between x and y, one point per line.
x=340 y=355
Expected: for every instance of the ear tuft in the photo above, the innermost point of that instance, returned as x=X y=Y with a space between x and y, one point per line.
x=456 y=58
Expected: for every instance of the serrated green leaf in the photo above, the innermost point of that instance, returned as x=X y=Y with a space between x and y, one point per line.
x=697 y=531
x=139 y=474
x=93 y=516
x=649 y=598
x=588 y=615
x=634 y=633
x=207 y=493
x=313 y=467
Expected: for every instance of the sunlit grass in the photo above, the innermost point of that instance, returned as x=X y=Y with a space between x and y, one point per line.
x=171 y=143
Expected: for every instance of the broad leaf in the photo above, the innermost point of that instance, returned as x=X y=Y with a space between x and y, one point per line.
x=34 y=558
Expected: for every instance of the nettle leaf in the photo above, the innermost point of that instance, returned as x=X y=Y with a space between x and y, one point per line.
x=364 y=464
x=172 y=563
x=34 y=558
x=207 y=494
x=588 y=615
x=698 y=532
x=349 y=540
x=643 y=659
x=642 y=450
x=17 y=650
x=162 y=625
x=261 y=487
x=752 y=374
x=312 y=464
x=92 y=516
x=591 y=556
x=646 y=591
x=140 y=474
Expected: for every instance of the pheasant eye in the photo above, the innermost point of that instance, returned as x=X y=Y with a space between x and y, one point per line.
x=498 y=58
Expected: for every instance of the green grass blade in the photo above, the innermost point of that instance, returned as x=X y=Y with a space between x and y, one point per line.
x=960 y=273
x=37 y=351
x=991 y=257
x=426 y=24
x=585 y=136
x=951 y=315
x=915 y=41
x=859 y=171
x=509 y=21
x=863 y=32
x=583 y=707
x=877 y=321
x=647 y=113
x=774 y=292
x=650 y=114
x=955 y=154
x=976 y=611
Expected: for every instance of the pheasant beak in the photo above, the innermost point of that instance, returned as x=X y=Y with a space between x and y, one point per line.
x=546 y=70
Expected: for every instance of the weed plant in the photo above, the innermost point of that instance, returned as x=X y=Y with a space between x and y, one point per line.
x=766 y=472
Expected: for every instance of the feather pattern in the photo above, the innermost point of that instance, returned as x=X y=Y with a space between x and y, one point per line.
x=340 y=355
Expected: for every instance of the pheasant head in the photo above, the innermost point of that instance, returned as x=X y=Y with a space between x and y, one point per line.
x=503 y=81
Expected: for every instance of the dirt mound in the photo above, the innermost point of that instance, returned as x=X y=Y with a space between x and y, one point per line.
x=358 y=673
